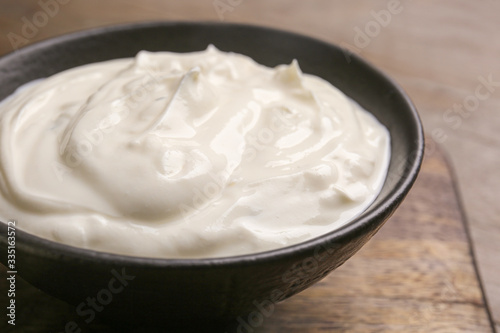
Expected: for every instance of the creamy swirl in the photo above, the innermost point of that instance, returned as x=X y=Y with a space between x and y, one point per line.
x=202 y=154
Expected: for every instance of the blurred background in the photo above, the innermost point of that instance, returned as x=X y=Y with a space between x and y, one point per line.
x=443 y=53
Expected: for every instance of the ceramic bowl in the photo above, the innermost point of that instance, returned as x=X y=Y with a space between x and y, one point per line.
x=179 y=293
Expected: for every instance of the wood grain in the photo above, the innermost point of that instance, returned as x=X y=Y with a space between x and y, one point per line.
x=415 y=275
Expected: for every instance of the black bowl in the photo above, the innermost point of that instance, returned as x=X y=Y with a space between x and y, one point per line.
x=171 y=292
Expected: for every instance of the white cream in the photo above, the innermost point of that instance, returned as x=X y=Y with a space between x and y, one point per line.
x=203 y=154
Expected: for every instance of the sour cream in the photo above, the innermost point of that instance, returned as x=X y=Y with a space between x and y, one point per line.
x=203 y=154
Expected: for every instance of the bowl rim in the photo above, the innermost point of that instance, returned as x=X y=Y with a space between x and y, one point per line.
x=351 y=230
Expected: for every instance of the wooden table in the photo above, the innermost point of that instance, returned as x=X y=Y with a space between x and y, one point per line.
x=417 y=274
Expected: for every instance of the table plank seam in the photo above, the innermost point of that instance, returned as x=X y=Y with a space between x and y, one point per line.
x=465 y=222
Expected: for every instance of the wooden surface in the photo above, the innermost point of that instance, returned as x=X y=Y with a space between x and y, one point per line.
x=416 y=275
x=436 y=50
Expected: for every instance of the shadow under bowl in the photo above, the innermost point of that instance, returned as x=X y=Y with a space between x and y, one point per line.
x=177 y=292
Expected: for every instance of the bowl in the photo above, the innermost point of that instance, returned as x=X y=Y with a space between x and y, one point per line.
x=137 y=292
